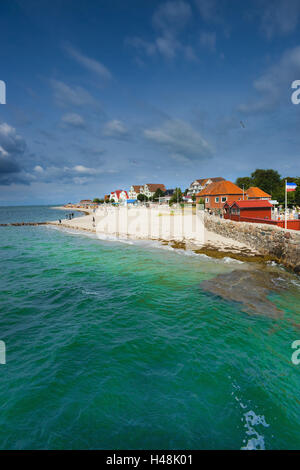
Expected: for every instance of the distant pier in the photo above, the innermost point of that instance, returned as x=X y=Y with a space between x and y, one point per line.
x=21 y=224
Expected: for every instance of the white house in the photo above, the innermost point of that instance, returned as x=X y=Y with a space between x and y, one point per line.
x=134 y=191
x=146 y=189
x=198 y=185
x=119 y=195
x=149 y=189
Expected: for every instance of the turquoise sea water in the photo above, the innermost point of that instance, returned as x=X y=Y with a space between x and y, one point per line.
x=116 y=345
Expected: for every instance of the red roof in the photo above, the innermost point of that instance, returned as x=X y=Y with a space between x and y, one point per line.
x=119 y=191
x=251 y=204
x=153 y=187
x=253 y=191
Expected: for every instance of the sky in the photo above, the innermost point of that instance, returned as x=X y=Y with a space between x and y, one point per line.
x=102 y=95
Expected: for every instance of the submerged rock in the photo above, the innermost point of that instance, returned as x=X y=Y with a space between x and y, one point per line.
x=250 y=289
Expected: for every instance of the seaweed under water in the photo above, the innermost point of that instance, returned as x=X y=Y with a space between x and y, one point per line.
x=251 y=289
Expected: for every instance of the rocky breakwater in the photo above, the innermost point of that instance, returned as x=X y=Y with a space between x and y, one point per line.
x=274 y=242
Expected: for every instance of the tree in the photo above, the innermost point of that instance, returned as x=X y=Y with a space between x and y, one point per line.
x=245 y=182
x=97 y=200
x=267 y=180
x=193 y=197
x=177 y=196
x=142 y=197
x=158 y=193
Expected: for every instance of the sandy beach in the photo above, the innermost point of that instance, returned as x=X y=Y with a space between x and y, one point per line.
x=163 y=224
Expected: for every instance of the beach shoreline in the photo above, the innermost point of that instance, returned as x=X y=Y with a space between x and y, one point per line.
x=214 y=245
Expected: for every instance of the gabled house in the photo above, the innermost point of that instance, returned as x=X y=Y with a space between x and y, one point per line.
x=216 y=194
x=150 y=188
x=118 y=196
x=197 y=185
x=134 y=191
x=258 y=209
x=254 y=193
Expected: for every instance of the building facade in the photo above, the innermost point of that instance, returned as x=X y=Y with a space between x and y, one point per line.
x=255 y=209
x=119 y=195
x=134 y=191
x=150 y=189
x=217 y=194
x=146 y=189
x=198 y=185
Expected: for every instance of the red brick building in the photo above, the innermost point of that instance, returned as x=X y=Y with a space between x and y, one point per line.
x=215 y=195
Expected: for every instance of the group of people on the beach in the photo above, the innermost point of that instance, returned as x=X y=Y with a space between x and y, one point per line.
x=68 y=217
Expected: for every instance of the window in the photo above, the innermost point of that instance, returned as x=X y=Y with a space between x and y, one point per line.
x=206 y=199
x=224 y=199
x=216 y=199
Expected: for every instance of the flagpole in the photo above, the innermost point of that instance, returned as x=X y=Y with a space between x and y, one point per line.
x=285 y=212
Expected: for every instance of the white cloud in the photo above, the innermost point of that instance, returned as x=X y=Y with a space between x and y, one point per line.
x=169 y=20
x=167 y=46
x=38 y=169
x=12 y=148
x=4 y=153
x=172 y=16
x=115 y=129
x=272 y=86
x=145 y=46
x=77 y=174
x=10 y=141
x=91 y=64
x=66 y=95
x=85 y=170
x=180 y=139
x=280 y=17
x=73 y=119
x=81 y=180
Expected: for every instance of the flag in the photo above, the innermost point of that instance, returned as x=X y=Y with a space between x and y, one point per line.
x=291 y=187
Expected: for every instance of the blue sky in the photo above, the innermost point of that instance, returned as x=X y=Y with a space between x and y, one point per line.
x=105 y=94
